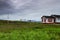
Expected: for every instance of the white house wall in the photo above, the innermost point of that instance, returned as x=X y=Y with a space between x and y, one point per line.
x=46 y=20
x=49 y=22
x=57 y=19
x=43 y=19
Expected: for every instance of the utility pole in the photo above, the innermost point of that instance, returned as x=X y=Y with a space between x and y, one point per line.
x=8 y=18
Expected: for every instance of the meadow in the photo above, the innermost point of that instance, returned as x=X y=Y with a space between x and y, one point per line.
x=18 y=30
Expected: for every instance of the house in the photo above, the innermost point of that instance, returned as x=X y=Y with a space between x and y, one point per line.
x=51 y=19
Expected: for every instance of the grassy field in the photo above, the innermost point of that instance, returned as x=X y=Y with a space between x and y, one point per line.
x=17 y=30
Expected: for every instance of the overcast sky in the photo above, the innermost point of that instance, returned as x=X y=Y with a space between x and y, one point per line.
x=28 y=9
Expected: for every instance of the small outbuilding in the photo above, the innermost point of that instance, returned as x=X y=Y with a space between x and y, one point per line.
x=51 y=19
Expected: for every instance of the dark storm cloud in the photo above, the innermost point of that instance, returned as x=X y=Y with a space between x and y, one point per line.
x=4 y=4
x=5 y=7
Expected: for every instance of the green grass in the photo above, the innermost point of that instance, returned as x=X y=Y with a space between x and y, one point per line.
x=17 y=30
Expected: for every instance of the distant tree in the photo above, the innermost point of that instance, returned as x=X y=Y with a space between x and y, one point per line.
x=29 y=20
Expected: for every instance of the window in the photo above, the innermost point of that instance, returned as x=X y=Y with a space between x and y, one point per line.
x=49 y=19
x=58 y=18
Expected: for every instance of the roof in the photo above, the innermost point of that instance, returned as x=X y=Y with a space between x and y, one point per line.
x=52 y=16
x=56 y=16
x=48 y=16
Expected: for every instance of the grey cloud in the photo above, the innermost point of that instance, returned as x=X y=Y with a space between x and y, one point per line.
x=27 y=8
x=32 y=5
x=38 y=5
